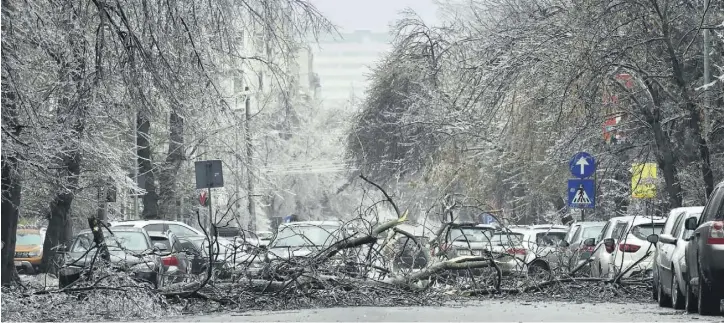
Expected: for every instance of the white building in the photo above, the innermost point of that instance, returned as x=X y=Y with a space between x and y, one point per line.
x=343 y=63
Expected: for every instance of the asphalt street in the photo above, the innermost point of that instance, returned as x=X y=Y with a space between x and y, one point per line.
x=484 y=311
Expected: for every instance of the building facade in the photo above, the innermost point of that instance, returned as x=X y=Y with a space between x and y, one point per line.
x=345 y=62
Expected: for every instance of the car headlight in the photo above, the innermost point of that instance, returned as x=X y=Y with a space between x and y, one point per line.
x=144 y=266
x=33 y=254
x=477 y=252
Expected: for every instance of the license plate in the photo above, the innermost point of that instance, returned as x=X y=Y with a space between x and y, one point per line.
x=17 y=264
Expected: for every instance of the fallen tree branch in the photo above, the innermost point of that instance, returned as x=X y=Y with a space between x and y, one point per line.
x=387 y=196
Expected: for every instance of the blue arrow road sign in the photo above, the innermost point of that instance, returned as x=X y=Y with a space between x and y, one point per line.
x=582 y=165
x=582 y=193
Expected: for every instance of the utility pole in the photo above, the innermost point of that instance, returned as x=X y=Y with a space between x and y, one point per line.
x=707 y=76
x=249 y=156
x=238 y=178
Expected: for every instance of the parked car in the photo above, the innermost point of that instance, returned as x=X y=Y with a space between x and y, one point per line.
x=28 y=250
x=405 y=255
x=176 y=263
x=130 y=250
x=295 y=242
x=461 y=239
x=704 y=256
x=543 y=247
x=197 y=251
x=180 y=229
x=579 y=232
x=669 y=258
x=622 y=243
x=471 y=239
x=265 y=237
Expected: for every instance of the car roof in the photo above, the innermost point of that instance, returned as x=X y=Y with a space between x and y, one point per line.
x=117 y=229
x=687 y=209
x=549 y=226
x=639 y=219
x=142 y=222
x=590 y=223
x=312 y=223
x=471 y=225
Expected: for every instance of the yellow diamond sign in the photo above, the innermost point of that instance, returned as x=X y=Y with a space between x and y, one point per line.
x=643 y=180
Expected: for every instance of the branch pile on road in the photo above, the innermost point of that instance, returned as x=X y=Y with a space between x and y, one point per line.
x=361 y=269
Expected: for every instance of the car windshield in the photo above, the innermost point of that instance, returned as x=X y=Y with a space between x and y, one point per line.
x=203 y=245
x=307 y=235
x=591 y=232
x=28 y=239
x=644 y=230
x=470 y=234
x=549 y=238
x=128 y=240
x=507 y=239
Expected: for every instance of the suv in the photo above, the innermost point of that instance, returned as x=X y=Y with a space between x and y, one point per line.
x=624 y=242
x=705 y=256
x=179 y=228
x=28 y=250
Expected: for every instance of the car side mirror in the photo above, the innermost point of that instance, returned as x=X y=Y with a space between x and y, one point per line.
x=653 y=238
x=691 y=223
x=590 y=242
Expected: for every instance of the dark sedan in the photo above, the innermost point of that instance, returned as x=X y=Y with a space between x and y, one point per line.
x=130 y=250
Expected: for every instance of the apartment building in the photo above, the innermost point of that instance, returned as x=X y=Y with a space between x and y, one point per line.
x=343 y=63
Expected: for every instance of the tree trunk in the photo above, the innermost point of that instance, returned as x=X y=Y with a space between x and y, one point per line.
x=174 y=159
x=695 y=122
x=11 y=188
x=143 y=142
x=60 y=229
x=664 y=152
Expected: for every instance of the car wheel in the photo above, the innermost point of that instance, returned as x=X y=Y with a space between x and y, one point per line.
x=159 y=282
x=538 y=270
x=677 y=298
x=708 y=302
x=664 y=300
x=690 y=303
x=655 y=286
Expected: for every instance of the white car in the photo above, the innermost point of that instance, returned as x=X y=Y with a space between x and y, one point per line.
x=623 y=243
x=542 y=243
x=178 y=228
x=669 y=263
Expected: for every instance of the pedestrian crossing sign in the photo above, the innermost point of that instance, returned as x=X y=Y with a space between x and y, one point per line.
x=581 y=193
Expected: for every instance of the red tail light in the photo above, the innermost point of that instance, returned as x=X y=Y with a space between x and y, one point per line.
x=716 y=234
x=625 y=247
x=586 y=249
x=609 y=248
x=170 y=261
x=516 y=251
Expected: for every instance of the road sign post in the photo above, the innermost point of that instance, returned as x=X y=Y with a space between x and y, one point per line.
x=643 y=181
x=209 y=175
x=582 y=191
x=582 y=165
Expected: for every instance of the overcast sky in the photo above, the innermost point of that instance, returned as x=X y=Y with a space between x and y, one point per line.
x=375 y=15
